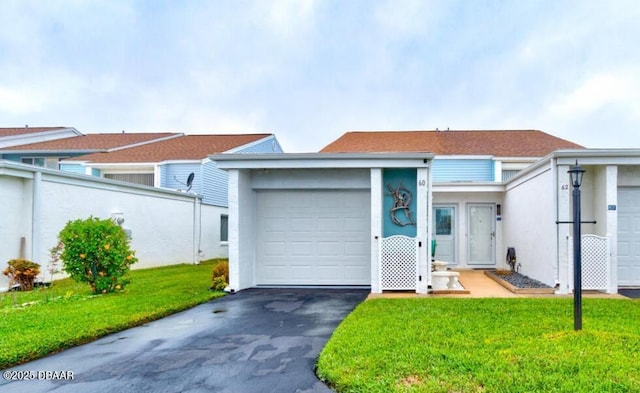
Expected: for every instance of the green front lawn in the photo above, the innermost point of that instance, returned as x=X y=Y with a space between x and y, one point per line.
x=34 y=324
x=485 y=345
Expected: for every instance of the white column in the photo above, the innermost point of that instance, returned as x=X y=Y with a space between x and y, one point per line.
x=564 y=230
x=422 y=222
x=376 y=227
x=612 y=226
x=234 y=229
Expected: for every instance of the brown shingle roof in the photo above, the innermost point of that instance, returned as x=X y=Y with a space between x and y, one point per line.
x=94 y=142
x=27 y=130
x=188 y=147
x=505 y=143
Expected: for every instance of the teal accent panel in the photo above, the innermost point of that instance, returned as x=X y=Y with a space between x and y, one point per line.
x=395 y=178
x=462 y=170
x=96 y=172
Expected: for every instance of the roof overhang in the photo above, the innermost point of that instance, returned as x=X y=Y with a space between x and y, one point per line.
x=584 y=157
x=598 y=157
x=322 y=160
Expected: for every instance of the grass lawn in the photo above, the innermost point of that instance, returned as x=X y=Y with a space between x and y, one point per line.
x=67 y=314
x=485 y=345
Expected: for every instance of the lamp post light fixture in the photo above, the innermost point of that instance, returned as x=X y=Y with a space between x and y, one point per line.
x=576 y=172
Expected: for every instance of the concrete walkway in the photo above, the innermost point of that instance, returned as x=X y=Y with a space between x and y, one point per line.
x=479 y=285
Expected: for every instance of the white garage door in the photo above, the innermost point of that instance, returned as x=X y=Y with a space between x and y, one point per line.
x=629 y=236
x=311 y=237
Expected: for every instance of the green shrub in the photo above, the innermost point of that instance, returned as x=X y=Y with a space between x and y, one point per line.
x=221 y=269
x=23 y=272
x=97 y=252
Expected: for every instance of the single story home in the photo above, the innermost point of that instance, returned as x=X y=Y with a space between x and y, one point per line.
x=334 y=217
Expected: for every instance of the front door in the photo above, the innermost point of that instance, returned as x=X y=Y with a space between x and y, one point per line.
x=444 y=232
x=481 y=234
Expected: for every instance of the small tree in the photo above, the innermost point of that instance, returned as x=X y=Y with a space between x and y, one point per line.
x=97 y=252
x=22 y=272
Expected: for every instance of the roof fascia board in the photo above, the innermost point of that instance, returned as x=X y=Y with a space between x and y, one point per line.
x=321 y=160
x=41 y=133
x=194 y=161
x=598 y=157
x=464 y=157
x=468 y=187
x=119 y=164
x=517 y=159
x=584 y=156
x=83 y=152
x=164 y=138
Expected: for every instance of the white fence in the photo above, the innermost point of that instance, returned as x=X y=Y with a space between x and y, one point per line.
x=595 y=262
x=398 y=263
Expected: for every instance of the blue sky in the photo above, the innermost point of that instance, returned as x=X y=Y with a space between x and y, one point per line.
x=310 y=70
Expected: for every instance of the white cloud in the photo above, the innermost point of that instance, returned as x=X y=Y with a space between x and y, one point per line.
x=620 y=89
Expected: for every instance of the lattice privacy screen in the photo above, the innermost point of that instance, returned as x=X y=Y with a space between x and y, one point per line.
x=398 y=263
x=595 y=262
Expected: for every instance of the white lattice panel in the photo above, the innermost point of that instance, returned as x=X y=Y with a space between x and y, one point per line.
x=595 y=262
x=398 y=263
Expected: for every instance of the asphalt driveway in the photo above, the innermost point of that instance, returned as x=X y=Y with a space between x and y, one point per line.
x=258 y=340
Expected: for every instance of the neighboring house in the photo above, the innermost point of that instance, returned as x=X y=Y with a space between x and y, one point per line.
x=23 y=135
x=163 y=160
x=50 y=152
x=168 y=163
x=164 y=226
x=327 y=218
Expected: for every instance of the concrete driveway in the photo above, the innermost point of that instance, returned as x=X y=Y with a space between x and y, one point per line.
x=258 y=340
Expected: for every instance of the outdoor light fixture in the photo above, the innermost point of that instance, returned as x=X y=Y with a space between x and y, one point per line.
x=576 y=172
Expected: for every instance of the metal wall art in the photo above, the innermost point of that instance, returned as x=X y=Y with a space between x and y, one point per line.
x=400 y=211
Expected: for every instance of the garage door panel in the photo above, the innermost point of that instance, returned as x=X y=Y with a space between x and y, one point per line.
x=359 y=249
x=301 y=249
x=274 y=249
x=320 y=237
x=332 y=249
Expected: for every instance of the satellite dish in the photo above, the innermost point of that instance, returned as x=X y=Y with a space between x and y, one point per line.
x=189 y=182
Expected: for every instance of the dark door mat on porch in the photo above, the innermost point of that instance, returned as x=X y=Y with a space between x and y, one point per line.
x=630 y=293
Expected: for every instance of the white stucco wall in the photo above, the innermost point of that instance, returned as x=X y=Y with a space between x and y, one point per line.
x=165 y=225
x=528 y=219
x=242 y=237
x=210 y=244
x=628 y=176
x=15 y=224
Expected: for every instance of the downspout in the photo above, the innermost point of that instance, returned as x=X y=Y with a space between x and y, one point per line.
x=197 y=215
x=556 y=208
x=429 y=220
x=36 y=209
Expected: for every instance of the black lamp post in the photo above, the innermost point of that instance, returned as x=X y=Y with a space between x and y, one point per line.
x=576 y=173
